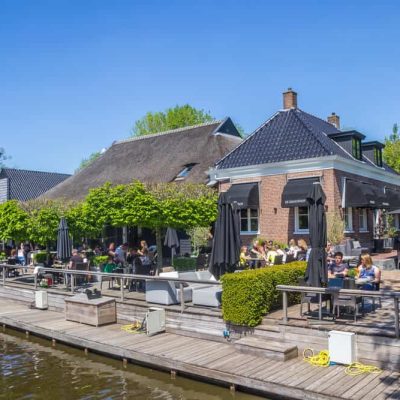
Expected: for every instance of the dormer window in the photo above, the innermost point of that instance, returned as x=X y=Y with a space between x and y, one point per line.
x=378 y=157
x=184 y=172
x=356 y=148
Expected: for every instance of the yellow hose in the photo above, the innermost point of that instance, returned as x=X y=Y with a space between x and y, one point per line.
x=319 y=360
x=132 y=328
x=322 y=359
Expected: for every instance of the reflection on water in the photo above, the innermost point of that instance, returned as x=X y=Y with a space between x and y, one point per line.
x=32 y=369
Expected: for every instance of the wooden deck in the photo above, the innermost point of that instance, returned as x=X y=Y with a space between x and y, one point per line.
x=205 y=359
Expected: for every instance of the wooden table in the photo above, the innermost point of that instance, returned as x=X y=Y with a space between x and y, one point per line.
x=95 y=312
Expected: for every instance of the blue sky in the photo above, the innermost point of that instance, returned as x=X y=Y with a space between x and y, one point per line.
x=76 y=75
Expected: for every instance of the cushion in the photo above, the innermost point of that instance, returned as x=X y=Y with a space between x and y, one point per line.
x=171 y=274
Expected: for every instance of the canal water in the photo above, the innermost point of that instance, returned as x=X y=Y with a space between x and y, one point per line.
x=33 y=369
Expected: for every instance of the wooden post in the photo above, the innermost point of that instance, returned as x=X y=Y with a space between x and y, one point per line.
x=27 y=334
x=86 y=351
x=122 y=289
x=4 y=327
x=232 y=387
x=53 y=342
x=173 y=374
x=396 y=316
x=124 y=362
x=284 y=304
x=181 y=297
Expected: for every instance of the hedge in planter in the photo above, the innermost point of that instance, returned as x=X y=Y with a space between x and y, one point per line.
x=184 y=263
x=247 y=296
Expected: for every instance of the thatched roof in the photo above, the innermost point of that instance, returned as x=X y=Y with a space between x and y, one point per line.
x=154 y=158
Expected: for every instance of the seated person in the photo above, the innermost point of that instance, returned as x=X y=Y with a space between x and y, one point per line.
x=330 y=252
x=369 y=272
x=257 y=251
x=244 y=257
x=110 y=266
x=75 y=258
x=338 y=268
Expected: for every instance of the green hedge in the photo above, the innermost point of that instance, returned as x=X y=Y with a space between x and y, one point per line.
x=40 y=258
x=247 y=296
x=184 y=263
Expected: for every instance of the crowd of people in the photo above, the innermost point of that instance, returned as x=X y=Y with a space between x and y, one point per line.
x=267 y=252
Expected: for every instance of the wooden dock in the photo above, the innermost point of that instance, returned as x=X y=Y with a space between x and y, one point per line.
x=205 y=359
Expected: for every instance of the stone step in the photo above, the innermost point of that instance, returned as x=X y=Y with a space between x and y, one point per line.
x=268 y=348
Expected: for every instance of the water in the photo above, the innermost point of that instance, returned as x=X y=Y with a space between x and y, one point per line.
x=32 y=369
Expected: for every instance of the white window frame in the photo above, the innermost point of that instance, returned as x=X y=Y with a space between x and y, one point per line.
x=349 y=211
x=297 y=229
x=249 y=218
x=362 y=212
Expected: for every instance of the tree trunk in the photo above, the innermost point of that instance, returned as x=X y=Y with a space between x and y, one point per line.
x=159 y=250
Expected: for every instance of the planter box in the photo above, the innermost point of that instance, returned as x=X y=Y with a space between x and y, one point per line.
x=95 y=312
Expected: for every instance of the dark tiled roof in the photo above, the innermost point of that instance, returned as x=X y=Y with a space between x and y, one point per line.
x=154 y=158
x=289 y=135
x=25 y=185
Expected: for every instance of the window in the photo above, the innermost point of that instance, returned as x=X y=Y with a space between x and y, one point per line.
x=185 y=172
x=348 y=219
x=356 y=148
x=249 y=220
x=301 y=219
x=378 y=157
x=363 y=220
x=396 y=221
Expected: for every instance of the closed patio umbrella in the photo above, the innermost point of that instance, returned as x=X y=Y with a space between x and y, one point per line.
x=172 y=241
x=317 y=272
x=64 y=244
x=226 y=242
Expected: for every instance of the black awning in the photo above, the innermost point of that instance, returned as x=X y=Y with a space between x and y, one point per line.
x=296 y=191
x=245 y=195
x=363 y=195
x=392 y=198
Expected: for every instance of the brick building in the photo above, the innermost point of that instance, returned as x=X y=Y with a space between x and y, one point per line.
x=270 y=172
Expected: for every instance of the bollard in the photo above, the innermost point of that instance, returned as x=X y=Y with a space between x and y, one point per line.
x=86 y=351
x=124 y=362
x=53 y=342
x=173 y=374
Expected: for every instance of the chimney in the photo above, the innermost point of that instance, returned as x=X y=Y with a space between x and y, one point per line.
x=334 y=120
x=289 y=99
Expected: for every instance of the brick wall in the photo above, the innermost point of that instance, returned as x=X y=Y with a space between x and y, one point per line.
x=276 y=223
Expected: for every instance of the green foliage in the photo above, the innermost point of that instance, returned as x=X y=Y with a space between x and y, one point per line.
x=172 y=118
x=351 y=273
x=3 y=256
x=391 y=152
x=81 y=221
x=3 y=157
x=247 y=296
x=99 y=260
x=86 y=161
x=44 y=218
x=40 y=258
x=199 y=237
x=13 y=221
x=184 y=263
x=335 y=227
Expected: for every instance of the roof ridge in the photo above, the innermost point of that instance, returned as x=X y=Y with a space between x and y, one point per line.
x=177 y=130
x=32 y=170
x=249 y=136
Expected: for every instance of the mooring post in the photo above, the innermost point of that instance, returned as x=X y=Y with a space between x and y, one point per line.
x=173 y=374
x=284 y=304
x=232 y=387
x=124 y=362
x=181 y=297
x=396 y=316
x=53 y=342
x=4 y=327
x=27 y=334
x=86 y=351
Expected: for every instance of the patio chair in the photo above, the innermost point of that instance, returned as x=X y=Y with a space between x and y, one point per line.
x=340 y=300
x=108 y=279
x=81 y=266
x=311 y=298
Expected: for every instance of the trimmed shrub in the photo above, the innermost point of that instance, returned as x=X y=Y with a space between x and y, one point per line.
x=99 y=260
x=247 y=296
x=184 y=263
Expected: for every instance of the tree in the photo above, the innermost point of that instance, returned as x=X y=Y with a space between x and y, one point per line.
x=3 y=157
x=86 y=161
x=391 y=152
x=13 y=221
x=172 y=118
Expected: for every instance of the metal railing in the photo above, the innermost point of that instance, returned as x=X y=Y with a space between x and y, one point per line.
x=346 y=292
x=73 y=273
